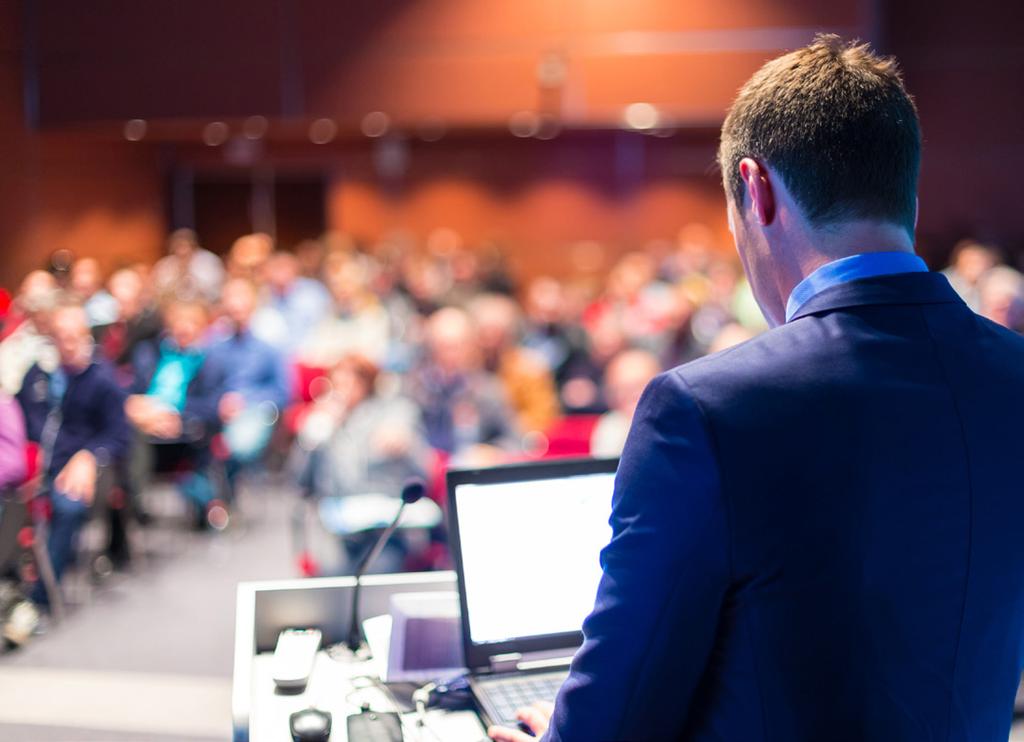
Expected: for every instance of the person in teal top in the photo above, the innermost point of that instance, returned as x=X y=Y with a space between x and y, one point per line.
x=174 y=372
x=177 y=389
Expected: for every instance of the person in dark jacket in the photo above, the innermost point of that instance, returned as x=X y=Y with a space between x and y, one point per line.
x=76 y=414
x=174 y=406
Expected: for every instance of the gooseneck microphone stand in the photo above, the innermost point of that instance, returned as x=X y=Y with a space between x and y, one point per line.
x=412 y=491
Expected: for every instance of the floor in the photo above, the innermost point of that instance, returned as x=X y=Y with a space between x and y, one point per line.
x=148 y=654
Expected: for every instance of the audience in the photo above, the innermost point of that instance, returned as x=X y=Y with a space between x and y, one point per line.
x=76 y=414
x=428 y=357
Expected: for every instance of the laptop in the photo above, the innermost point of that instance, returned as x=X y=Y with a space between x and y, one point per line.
x=526 y=539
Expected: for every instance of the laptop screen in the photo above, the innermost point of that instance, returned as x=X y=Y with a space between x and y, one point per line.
x=531 y=553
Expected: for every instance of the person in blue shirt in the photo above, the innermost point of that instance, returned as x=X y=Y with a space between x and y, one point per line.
x=174 y=405
x=256 y=387
x=76 y=414
x=816 y=533
x=292 y=304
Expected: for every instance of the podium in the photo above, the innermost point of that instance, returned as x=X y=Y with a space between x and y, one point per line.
x=340 y=683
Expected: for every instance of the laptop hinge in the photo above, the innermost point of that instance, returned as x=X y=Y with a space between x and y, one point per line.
x=505 y=662
x=514 y=661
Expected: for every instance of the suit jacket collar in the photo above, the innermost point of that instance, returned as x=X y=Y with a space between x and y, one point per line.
x=903 y=288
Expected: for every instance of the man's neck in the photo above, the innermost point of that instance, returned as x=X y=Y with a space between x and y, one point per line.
x=823 y=246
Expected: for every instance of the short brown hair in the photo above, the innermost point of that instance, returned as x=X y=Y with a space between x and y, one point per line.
x=835 y=122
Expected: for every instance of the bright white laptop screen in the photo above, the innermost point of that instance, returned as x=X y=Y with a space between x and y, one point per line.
x=531 y=554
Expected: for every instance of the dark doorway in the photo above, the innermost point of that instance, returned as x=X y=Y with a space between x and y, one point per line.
x=226 y=206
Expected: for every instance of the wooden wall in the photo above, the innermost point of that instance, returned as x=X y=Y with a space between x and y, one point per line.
x=63 y=190
x=71 y=73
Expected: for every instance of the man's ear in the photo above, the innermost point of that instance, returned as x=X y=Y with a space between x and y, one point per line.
x=759 y=191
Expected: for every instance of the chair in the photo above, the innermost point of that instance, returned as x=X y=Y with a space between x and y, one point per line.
x=23 y=547
x=570 y=436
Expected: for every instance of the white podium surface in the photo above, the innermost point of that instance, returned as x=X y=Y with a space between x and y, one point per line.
x=340 y=683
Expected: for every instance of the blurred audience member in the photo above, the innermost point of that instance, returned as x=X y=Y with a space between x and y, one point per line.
x=680 y=345
x=582 y=391
x=137 y=322
x=970 y=261
x=464 y=274
x=357 y=323
x=463 y=406
x=495 y=274
x=694 y=249
x=76 y=413
x=625 y=379
x=13 y=459
x=175 y=404
x=715 y=310
x=293 y=304
x=730 y=335
x=425 y=282
x=255 y=380
x=310 y=255
x=548 y=329
x=745 y=308
x=528 y=384
x=188 y=269
x=632 y=298
x=248 y=255
x=86 y=282
x=1000 y=293
x=27 y=342
x=359 y=440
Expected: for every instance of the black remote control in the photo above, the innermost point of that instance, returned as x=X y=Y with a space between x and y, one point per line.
x=371 y=726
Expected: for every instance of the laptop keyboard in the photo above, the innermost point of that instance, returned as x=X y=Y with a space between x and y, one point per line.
x=503 y=694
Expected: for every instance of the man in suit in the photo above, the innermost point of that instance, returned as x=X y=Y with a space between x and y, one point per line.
x=816 y=534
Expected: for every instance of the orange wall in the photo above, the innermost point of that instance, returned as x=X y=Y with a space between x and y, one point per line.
x=58 y=190
x=537 y=224
x=537 y=198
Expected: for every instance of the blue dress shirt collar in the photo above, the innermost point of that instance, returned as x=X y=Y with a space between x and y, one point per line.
x=852 y=268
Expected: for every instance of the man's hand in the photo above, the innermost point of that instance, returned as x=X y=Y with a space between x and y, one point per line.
x=152 y=418
x=77 y=480
x=537 y=717
x=164 y=425
x=230 y=405
x=138 y=408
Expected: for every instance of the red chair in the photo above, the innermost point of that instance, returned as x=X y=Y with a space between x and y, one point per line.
x=308 y=383
x=570 y=436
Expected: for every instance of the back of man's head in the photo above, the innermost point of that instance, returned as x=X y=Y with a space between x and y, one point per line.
x=835 y=122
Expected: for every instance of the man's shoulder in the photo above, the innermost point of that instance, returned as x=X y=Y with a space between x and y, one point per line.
x=780 y=348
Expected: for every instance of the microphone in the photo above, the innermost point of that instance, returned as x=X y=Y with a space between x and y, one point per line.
x=412 y=490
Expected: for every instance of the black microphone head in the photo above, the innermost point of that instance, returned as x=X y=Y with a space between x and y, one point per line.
x=413 y=490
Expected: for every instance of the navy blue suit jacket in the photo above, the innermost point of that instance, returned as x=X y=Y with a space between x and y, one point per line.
x=818 y=535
